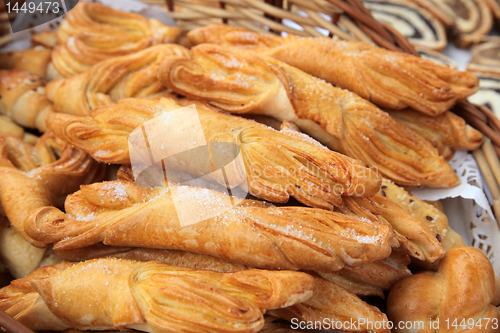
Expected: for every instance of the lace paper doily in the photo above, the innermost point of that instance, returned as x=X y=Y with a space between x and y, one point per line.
x=468 y=208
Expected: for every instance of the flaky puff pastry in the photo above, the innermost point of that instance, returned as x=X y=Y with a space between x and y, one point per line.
x=277 y=165
x=92 y=32
x=389 y=79
x=35 y=176
x=241 y=82
x=22 y=98
x=374 y=278
x=19 y=256
x=459 y=292
x=330 y=301
x=131 y=75
x=414 y=235
x=120 y=213
x=153 y=297
x=7 y=125
x=433 y=218
x=34 y=60
x=447 y=131
x=429 y=214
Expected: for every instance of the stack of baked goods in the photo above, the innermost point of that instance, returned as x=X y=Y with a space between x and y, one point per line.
x=425 y=22
x=327 y=232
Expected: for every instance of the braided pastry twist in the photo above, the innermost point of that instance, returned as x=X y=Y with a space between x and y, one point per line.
x=120 y=213
x=49 y=169
x=277 y=165
x=22 y=98
x=92 y=32
x=389 y=79
x=241 y=82
x=132 y=75
x=153 y=297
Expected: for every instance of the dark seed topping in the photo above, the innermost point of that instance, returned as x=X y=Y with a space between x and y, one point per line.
x=383 y=193
x=384 y=186
x=429 y=218
x=438 y=236
x=411 y=200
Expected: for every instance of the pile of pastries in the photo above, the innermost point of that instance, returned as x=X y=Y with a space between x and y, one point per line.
x=332 y=136
x=430 y=24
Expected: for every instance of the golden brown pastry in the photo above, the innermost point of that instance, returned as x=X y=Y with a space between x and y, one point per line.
x=389 y=79
x=19 y=256
x=467 y=20
x=22 y=98
x=92 y=32
x=154 y=297
x=430 y=215
x=414 y=236
x=35 y=176
x=335 y=306
x=461 y=290
x=242 y=83
x=255 y=234
x=330 y=301
x=277 y=165
x=374 y=278
x=34 y=60
x=434 y=219
x=131 y=75
x=46 y=38
x=421 y=241
x=10 y=127
x=447 y=131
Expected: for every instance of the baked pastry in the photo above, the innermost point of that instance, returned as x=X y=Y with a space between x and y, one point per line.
x=22 y=99
x=242 y=82
x=277 y=165
x=414 y=236
x=485 y=58
x=35 y=60
x=374 y=278
x=49 y=169
x=413 y=22
x=447 y=131
x=19 y=256
x=489 y=92
x=330 y=301
x=131 y=75
x=340 y=309
x=255 y=234
x=10 y=127
x=154 y=297
x=429 y=214
x=456 y=298
x=388 y=79
x=495 y=8
x=419 y=240
x=46 y=38
x=92 y=32
x=467 y=20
